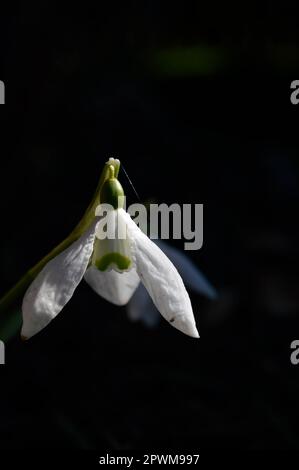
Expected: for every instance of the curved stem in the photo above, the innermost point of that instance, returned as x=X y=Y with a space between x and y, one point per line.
x=22 y=285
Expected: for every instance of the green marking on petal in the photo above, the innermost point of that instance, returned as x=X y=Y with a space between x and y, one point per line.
x=122 y=262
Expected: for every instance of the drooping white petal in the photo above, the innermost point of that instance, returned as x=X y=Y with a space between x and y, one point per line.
x=113 y=286
x=55 y=284
x=142 y=308
x=191 y=275
x=162 y=280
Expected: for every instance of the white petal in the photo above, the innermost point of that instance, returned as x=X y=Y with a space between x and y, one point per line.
x=55 y=284
x=191 y=275
x=142 y=308
x=113 y=286
x=162 y=281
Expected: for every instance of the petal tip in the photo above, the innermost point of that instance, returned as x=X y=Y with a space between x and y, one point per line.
x=192 y=332
x=185 y=326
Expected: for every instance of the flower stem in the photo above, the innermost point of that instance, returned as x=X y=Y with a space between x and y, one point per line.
x=14 y=294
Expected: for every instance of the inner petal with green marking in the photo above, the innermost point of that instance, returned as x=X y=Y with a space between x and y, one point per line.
x=111 y=254
x=112 y=251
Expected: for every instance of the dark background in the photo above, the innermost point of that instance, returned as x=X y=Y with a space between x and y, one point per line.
x=194 y=98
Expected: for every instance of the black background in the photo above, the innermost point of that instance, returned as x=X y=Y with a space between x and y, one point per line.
x=194 y=98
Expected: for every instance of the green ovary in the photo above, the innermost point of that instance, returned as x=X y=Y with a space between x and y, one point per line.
x=122 y=262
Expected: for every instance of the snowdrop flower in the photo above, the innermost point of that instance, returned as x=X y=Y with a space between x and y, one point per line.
x=112 y=266
x=141 y=308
